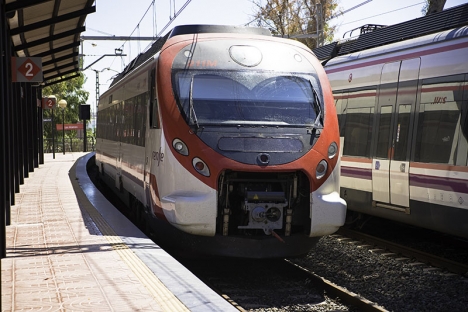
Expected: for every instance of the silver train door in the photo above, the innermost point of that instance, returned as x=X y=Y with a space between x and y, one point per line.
x=148 y=143
x=390 y=166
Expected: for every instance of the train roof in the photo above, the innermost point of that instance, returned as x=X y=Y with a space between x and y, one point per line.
x=185 y=30
x=199 y=29
x=429 y=24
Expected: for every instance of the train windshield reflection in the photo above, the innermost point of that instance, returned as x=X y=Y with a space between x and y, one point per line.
x=248 y=97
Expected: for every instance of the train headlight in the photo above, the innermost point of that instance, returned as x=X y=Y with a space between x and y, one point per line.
x=332 y=149
x=180 y=147
x=201 y=167
x=321 y=169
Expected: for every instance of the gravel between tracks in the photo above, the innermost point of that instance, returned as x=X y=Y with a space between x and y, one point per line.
x=395 y=284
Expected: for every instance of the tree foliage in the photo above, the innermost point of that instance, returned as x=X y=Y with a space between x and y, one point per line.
x=70 y=91
x=433 y=6
x=292 y=18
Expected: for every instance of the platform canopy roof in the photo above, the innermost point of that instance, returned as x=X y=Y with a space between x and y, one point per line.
x=49 y=29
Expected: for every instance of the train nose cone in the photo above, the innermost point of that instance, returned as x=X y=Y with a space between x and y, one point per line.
x=263 y=159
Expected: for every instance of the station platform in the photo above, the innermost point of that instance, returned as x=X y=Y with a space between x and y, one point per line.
x=69 y=249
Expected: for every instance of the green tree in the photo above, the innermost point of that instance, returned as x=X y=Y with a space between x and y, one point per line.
x=433 y=6
x=297 y=19
x=71 y=91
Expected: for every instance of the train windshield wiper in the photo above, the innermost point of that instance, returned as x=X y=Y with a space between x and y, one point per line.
x=318 y=123
x=192 y=109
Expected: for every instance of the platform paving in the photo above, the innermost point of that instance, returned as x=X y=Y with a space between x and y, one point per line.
x=63 y=256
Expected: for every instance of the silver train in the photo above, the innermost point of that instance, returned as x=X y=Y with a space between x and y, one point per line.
x=402 y=107
x=224 y=141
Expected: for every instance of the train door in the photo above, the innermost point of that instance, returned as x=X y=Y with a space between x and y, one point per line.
x=148 y=141
x=385 y=110
x=154 y=152
x=397 y=101
x=402 y=134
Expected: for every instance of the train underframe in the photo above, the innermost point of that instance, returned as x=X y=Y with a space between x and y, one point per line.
x=444 y=219
x=259 y=204
x=267 y=215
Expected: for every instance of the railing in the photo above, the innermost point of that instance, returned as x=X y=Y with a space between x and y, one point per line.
x=71 y=145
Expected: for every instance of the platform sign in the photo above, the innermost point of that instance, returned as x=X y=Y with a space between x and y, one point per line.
x=77 y=126
x=26 y=69
x=48 y=103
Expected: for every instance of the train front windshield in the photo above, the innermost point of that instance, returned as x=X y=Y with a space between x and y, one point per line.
x=248 y=97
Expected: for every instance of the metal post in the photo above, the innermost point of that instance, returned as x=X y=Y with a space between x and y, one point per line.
x=29 y=104
x=63 y=104
x=22 y=128
x=17 y=134
x=9 y=124
x=3 y=151
x=15 y=159
x=318 y=18
x=53 y=135
x=18 y=127
x=63 y=130
x=35 y=133
x=97 y=87
x=84 y=136
x=40 y=126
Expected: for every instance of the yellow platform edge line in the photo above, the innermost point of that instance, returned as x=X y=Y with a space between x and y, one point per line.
x=152 y=283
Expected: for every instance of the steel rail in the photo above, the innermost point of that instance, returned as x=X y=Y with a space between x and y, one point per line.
x=433 y=260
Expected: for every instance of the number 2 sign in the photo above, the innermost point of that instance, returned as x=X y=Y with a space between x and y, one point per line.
x=26 y=69
x=48 y=102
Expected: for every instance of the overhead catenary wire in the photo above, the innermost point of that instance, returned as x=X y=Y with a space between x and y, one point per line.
x=137 y=27
x=175 y=15
x=154 y=22
x=350 y=9
x=409 y=6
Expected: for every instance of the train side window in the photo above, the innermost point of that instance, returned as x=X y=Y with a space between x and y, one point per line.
x=357 y=132
x=98 y=123
x=340 y=104
x=155 y=114
x=102 y=120
x=115 y=124
x=462 y=150
x=463 y=143
x=153 y=101
x=383 y=146
x=440 y=117
x=128 y=123
x=400 y=141
x=144 y=120
x=140 y=122
x=105 y=121
x=437 y=136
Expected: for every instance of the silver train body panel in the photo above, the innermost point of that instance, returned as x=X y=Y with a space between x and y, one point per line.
x=403 y=111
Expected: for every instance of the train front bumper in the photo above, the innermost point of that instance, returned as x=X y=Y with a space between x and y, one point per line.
x=327 y=208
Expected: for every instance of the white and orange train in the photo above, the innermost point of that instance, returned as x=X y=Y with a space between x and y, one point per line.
x=225 y=141
x=403 y=114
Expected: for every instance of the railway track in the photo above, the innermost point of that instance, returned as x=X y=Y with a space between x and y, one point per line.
x=405 y=251
x=251 y=285
x=281 y=285
x=340 y=293
x=288 y=285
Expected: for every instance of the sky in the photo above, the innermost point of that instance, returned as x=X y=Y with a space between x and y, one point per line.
x=149 y=18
